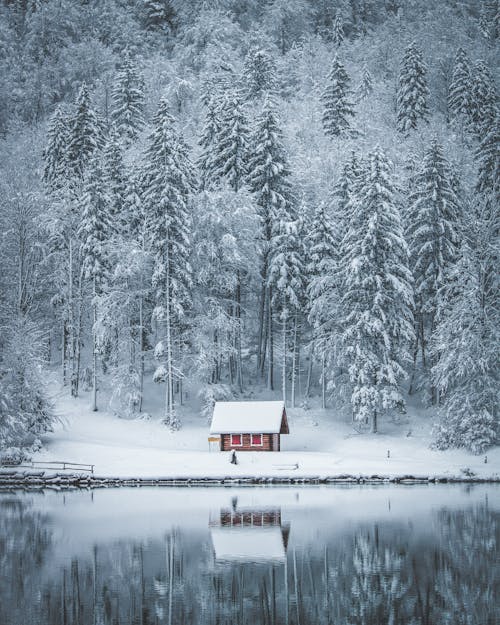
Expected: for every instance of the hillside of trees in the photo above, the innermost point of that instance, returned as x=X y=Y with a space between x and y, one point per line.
x=224 y=194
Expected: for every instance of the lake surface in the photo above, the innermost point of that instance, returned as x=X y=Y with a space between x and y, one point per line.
x=361 y=555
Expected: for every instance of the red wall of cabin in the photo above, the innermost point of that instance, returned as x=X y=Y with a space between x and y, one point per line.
x=267 y=443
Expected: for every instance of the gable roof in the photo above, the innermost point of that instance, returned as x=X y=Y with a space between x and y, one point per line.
x=249 y=417
x=248 y=543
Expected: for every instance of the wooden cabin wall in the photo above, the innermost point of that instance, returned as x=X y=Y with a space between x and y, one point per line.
x=270 y=442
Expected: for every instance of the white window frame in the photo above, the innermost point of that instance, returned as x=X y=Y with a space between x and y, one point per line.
x=261 y=444
x=236 y=444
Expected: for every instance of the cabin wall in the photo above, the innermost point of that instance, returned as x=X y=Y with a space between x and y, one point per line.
x=270 y=442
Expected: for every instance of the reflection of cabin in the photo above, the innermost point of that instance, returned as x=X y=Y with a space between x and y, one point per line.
x=248 y=534
x=249 y=425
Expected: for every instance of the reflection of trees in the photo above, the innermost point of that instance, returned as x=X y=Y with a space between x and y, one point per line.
x=24 y=543
x=468 y=579
x=370 y=575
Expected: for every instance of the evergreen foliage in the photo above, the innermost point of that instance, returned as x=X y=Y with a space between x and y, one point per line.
x=128 y=100
x=55 y=155
x=84 y=135
x=337 y=106
x=259 y=75
x=459 y=93
x=377 y=295
x=413 y=91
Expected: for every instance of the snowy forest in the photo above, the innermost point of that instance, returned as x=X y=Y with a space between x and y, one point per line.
x=224 y=196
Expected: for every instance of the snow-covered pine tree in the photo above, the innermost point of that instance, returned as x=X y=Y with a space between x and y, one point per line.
x=207 y=142
x=259 y=74
x=488 y=160
x=365 y=87
x=338 y=31
x=413 y=91
x=269 y=181
x=159 y=14
x=459 y=92
x=230 y=159
x=336 y=100
x=321 y=273
x=168 y=181
x=116 y=181
x=483 y=100
x=55 y=153
x=286 y=277
x=489 y=20
x=433 y=235
x=466 y=345
x=85 y=135
x=95 y=233
x=128 y=100
x=377 y=295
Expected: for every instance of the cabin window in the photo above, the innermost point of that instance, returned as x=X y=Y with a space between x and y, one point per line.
x=257 y=439
x=236 y=440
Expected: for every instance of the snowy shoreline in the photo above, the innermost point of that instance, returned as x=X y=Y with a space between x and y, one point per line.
x=12 y=479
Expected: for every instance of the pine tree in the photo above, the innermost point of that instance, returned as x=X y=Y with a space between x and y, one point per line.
x=412 y=91
x=116 y=181
x=377 y=295
x=230 y=159
x=466 y=343
x=365 y=88
x=269 y=181
x=433 y=234
x=489 y=20
x=159 y=14
x=207 y=142
x=84 y=136
x=55 y=153
x=459 y=94
x=488 y=159
x=483 y=100
x=128 y=100
x=95 y=233
x=259 y=75
x=336 y=101
x=168 y=181
x=322 y=289
x=286 y=275
x=338 y=31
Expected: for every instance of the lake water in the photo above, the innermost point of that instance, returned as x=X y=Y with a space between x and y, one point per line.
x=417 y=555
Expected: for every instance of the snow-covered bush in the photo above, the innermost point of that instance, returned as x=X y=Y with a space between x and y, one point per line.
x=209 y=394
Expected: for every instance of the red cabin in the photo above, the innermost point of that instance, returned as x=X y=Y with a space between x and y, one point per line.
x=249 y=425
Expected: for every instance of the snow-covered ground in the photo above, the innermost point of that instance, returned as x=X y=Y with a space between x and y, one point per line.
x=321 y=443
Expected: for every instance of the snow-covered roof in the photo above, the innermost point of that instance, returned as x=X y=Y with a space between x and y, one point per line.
x=247 y=417
x=248 y=543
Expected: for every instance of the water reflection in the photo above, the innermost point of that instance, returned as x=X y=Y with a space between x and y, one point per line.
x=220 y=559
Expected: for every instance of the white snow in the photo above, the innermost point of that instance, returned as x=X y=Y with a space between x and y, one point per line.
x=247 y=417
x=321 y=442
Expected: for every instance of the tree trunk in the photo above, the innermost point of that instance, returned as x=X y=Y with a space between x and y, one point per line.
x=169 y=403
x=270 y=341
x=283 y=361
x=239 y=364
x=323 y=381
x=261 y=341
x=294 y=357
x=94 y=348
x=309 y=370
x=141 y=347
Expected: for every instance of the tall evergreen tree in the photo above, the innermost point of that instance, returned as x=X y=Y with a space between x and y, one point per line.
x=322 y=292
x=269 y=181
x=55 y=155
x=413 y=91
x=85 y=134
x=95 y=232
x=336 y=99
x=338 y=31
x=207 y=142
x=377 y=300
x=483 y=100
x=230 y=160
x=116 y=181
x=128 y=100
x=433 y=234
x=365 y=87
x=466 y=345
x=259 y=74
x=488 y=158
x=459 y=94
x=168 y=182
